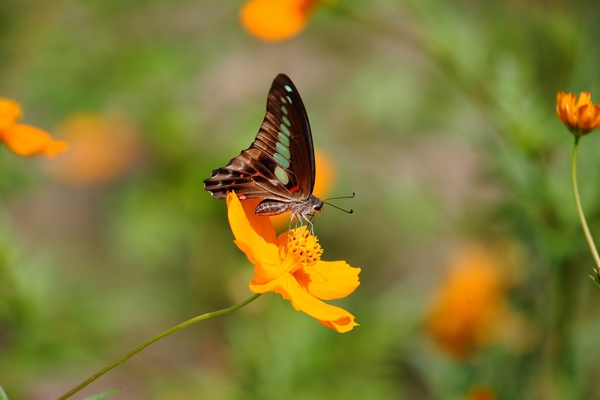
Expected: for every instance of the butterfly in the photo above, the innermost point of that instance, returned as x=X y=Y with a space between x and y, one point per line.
x=279 y=166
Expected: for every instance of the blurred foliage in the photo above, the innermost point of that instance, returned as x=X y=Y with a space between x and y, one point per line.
x=440 y=116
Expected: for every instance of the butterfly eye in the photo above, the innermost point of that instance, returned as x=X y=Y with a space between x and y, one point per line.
x=318 y=207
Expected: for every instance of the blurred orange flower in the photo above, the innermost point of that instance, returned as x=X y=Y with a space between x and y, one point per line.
x=481 y=393
x=275 y=20
x=581 y=116
x=101 y=149
x=324 y=180
x=291 y=266
x=25 y=140
x=470 y=309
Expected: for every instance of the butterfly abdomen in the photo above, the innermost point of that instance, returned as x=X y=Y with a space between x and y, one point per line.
x=271 y=207
x=297 y=208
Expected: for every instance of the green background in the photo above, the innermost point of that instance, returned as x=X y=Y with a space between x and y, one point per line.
x=438 y=114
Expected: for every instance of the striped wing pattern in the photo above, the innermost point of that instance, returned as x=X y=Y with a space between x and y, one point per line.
x=280 y=164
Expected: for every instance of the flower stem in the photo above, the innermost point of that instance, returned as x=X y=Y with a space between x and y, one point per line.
x=154 y=339
x=584 y=225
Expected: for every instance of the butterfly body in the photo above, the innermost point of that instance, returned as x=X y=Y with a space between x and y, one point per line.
x=297 y=208
x=279 y=166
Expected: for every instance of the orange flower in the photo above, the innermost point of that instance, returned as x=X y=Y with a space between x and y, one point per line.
x=275 y=20
x=25 y=140
x=291 y=266
x=101 y=149
x=581 y=116
x=470 y=307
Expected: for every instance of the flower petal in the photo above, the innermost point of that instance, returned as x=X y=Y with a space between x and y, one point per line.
x=569 y=110
x=588 y=117
x=26 y=140
x=259 y=223
x=10 y=111
x=276 y=20
x=585 y=116
x=328 y=280
x=331 y=316
x=268 y=277
x=561 y=101
x=264 y=255
x=584 y=99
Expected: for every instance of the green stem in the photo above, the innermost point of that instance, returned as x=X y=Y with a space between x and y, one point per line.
x=584 y=225
x=154 y=339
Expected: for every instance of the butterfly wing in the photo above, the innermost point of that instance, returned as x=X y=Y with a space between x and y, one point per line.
x=280 y=163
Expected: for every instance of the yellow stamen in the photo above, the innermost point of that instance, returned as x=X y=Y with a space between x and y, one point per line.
x=304 y=246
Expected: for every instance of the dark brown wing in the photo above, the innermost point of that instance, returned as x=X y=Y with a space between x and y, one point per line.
x=280 y=163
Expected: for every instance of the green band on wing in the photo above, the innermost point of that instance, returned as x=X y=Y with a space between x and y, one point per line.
x=281 y=175
x=284 y=151
x=281 y=160
x=284 y=129
x=283 y=139
x=286 y=120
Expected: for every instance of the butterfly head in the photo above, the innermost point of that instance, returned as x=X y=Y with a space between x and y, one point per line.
x=306 y=207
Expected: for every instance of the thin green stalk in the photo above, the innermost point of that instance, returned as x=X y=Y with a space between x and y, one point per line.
x=154 y=339
x=584 y=225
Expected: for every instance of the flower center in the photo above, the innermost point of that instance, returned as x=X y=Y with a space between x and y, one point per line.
x=304 y=246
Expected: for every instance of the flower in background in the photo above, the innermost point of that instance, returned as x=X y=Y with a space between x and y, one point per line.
x=581 y=116
x=481 y=393
x=470 y=310
x=324 y=180
x=276 y=20
x=291 y=266
x=101 y=149
x=25 y=140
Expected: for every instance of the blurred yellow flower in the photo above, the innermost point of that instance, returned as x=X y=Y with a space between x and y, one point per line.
x=581 y=116
x=25 y=140
x=324 y=180
x=291 y=266
x=101 y=149
x=275 y=20
x=470 y=310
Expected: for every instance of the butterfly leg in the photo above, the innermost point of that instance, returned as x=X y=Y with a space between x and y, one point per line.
x=312 y=226
x=292 y=217
x=309 y=222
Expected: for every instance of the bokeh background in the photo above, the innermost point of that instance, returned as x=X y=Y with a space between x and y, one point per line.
x=439 y=114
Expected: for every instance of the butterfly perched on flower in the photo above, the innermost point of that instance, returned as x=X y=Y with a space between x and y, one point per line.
x=279 y=166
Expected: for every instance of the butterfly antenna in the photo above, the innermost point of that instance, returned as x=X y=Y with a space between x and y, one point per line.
x=341 y=197
x=351 y=211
